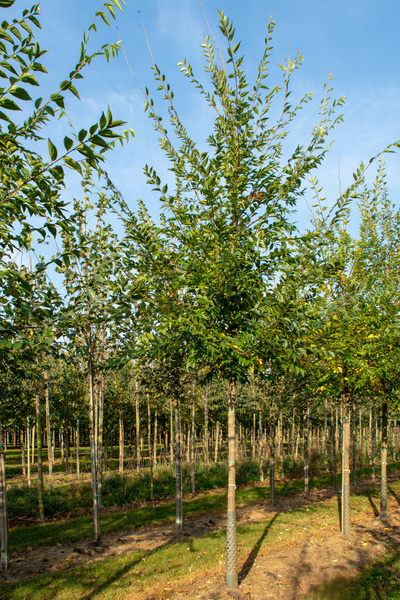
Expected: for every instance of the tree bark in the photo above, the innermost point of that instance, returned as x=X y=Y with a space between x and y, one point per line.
x=77 y=440
x=192 y=445
x=306 y=429
x=345 y=513
x=272 y=463
x=92 y=419
x=206 y=455
x=217 y=435
x=121 y=442
x=3 y=506
x=384 y=434
x=50 y=453
x=231 y=534
x=137 y=415
x=178 y=462
x=39 y=456
x=150 y=448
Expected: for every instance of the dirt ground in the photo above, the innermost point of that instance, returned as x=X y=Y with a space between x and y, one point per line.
x=287 y=572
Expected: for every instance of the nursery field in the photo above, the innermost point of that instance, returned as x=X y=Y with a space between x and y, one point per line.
x=287 y=549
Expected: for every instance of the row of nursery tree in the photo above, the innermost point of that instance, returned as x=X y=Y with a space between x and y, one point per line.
x=221 y=302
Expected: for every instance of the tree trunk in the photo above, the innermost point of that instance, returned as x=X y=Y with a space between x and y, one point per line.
x=272 y=463
x=150 y=448
x=334 y=434
x=306 y=429
x=39 y=456
x=206 y=455
x=178 y=462
x=3 y=506
x=50 y=454
x=28 y=449
x=155 y=439
x=217 y=435
x=231 y=535
x=354 y=438
x=77 y=440
x=121 y=442
x=171 y=433
x=192 y=457
x=138 y=456
x=22 y=443
x=92 y=419
x=345 y=514
x=373 y=442
x=384 y=434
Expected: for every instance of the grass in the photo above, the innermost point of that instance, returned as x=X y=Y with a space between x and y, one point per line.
x=380 y=580
x=72 y=530
x=118 y=577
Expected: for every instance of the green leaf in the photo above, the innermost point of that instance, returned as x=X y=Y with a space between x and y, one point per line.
x=52 y=150
x=68 y=143
x=73 y=164
x=20 y=93
x=8 y=104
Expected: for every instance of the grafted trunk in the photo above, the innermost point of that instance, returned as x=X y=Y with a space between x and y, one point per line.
x=384 y=434
x=231 y=534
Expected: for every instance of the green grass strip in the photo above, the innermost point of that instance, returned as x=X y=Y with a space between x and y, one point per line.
x=69 y=531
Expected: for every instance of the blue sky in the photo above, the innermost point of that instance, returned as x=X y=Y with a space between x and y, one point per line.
x=354 y=40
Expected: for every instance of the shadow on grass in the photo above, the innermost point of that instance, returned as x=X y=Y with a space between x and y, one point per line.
x=393 y=493
x=250 y=560
x=378 y=580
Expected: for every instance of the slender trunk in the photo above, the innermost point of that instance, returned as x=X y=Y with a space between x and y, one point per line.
x=138 y=456
x=150 y=448
x=3 y=507
x=231 y=534
x=216 y=442
x=178 y=462
x=78 y=470
x=260 y=447
x=28 y=449
x=206 y=455
x=92 y=418
x=67 y=452
x=121 y=441
x=171 y=433
x=22 y=442
x=345 y=515
x=306 y=428
x=155 y=439
x=192 y=465
x=48 y=427
x=39 y=456
x=334 y=433
x=373 y=442
x=33 y=444
x=253 y=436
x=294 y=435
x=272 y=463
x=100 y=439
x=354 y=438
x=384 y=434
